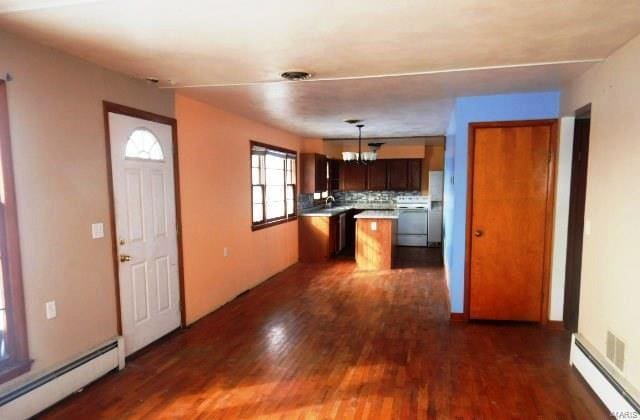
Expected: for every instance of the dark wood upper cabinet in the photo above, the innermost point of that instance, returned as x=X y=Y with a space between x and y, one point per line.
x=414 y=171
x=313 y=173
x=334 y=174
x=353 y=177
x=377 y=175
x=382 y=174
x=398 y=174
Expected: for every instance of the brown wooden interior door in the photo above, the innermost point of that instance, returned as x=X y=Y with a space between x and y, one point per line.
x=510 y=189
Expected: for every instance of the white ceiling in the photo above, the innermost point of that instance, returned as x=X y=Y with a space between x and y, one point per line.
x=396 y=141
x=418 y=105
x=247 y=43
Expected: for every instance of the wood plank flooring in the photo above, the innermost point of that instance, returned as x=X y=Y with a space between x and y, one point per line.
x=329 y=341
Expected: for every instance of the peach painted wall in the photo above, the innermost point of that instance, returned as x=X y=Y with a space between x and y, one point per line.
x=216 y=212
x=312 y=145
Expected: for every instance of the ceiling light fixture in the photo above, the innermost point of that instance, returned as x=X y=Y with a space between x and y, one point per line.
x=361 y=157
x=295 y=75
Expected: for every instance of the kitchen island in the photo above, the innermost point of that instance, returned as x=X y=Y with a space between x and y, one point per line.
x=325 y=232
x=375 y=239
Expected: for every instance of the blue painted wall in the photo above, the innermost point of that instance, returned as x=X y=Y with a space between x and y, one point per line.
x=468 y=109
x=449 y=196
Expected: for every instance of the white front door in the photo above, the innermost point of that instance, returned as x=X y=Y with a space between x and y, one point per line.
x=143 y=189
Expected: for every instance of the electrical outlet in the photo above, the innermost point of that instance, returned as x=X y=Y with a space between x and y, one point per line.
x=97 y=230
x=225 y=251
x=51 y=309
x=374 y=226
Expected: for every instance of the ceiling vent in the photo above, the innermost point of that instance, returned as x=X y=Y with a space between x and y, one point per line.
x=296 y=75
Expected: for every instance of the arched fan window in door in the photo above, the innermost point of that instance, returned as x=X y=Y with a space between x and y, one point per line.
x=143 y=145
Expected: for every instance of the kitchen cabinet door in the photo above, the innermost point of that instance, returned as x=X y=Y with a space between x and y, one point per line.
x=321 y=173
x=317 y=238
x=377 y=175
x=353 y=177
x=398 y=178
x=334 y=174
x=414 y=172
x=313 y=173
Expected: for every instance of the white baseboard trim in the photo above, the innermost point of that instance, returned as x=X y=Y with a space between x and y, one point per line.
x=607 y=387
x=35 y=396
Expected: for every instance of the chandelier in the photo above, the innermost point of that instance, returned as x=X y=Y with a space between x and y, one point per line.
x=361 y=157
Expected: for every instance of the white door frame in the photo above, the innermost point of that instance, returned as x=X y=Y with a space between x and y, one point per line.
x=109 y=107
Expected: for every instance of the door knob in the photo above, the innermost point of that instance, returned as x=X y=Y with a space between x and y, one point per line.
x=478 y=233
x=125 y=258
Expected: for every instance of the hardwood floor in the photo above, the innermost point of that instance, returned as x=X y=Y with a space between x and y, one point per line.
x=418 y=257
x=328 y=341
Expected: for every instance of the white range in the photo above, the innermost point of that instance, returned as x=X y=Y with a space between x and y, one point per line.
x=413 y=212
x=419 y=221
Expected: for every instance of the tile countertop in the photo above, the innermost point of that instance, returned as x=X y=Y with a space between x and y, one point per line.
x=371 y=206
x=332 y=211
x=377 y=214
x=325 y=212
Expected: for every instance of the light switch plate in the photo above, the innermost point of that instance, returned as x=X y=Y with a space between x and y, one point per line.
x=587 y=227
x=51 y=309
x=225 y=251
x=374 y=226
x=97 y=230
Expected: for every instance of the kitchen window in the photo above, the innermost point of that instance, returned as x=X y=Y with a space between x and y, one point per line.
x=273 y=185
x=14 y=354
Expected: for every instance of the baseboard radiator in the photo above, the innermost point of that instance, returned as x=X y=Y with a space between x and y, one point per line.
x=35 y=396
x=610 y=387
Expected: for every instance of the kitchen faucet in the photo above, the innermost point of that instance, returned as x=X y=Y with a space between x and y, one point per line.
x=326 y=201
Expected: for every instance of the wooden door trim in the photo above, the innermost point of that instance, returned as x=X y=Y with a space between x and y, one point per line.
x=108 y=107
x=575 y=236
x=549 y=211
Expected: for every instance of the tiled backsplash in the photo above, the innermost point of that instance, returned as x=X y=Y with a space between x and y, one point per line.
x=305 y=201
x=381 y=197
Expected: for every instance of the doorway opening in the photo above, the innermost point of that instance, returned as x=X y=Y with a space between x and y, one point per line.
x=575 y=232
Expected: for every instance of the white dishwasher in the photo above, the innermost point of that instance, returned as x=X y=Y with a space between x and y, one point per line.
x=412 y=220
